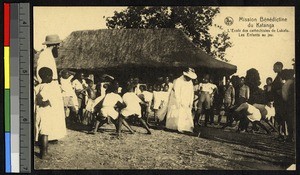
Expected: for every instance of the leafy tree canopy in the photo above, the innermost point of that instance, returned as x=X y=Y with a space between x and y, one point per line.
x=194 y=21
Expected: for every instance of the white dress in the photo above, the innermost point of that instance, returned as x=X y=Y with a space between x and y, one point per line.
x=50 y=120
x=179 y=116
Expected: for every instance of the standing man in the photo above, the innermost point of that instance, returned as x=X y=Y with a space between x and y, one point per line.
x=47 y=60
x=206 y=93
x=228 y=101
x=244 y=92
x=179 y=115
x=276 y=90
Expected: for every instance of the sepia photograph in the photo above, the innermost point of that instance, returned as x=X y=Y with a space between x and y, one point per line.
x=164 y=88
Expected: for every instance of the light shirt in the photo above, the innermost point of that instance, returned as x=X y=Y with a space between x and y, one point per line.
x=111 y=99
x=66 y=86
x=207 y=87
x=164 y=97
x=148 y=96
x=132 y=101
x=79 y=86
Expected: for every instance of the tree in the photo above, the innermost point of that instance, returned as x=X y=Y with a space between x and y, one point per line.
x=194 y=21
x=220 y=44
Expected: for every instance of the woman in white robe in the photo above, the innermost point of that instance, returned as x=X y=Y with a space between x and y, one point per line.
x=179 y=116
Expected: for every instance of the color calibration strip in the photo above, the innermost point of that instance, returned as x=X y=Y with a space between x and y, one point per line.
x=17 y=113
x=7 y=88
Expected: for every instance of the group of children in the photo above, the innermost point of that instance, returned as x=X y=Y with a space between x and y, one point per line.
x=153 y=102
x=107 y=102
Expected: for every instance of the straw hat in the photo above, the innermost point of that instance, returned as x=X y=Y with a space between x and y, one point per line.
x=190 y=73
x=52 y=39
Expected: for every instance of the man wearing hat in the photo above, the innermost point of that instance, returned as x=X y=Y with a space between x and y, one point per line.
x=47 y=59
x=179 y=116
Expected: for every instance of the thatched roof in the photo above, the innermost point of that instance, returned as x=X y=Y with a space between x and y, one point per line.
x=111 y=48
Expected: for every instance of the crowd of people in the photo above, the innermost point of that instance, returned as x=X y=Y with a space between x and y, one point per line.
x=66 y=97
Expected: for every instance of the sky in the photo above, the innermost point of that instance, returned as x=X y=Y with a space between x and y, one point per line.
x=247 y=52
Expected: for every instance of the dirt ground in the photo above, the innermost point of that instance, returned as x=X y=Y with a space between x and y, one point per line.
x=211 y=149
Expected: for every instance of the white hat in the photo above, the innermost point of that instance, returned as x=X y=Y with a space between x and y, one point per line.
x=190 y=73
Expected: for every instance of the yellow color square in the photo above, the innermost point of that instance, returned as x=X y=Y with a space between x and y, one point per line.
x=6 y=68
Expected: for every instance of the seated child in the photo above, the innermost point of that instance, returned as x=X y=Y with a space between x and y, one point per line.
x=133 y=108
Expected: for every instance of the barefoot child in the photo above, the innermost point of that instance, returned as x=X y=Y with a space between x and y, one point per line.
x=88 y=116
x=49 y=104
x=133 y=107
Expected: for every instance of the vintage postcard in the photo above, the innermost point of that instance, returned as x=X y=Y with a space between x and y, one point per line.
x=164 y=87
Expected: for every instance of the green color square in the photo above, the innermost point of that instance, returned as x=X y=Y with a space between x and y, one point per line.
x=7 y=110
